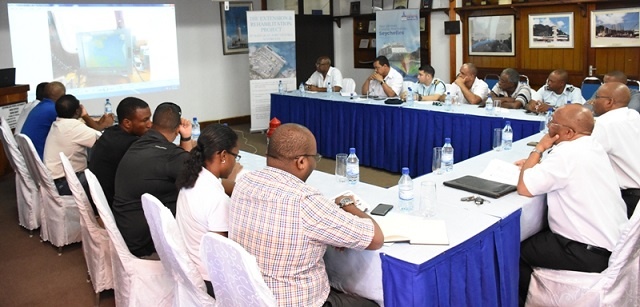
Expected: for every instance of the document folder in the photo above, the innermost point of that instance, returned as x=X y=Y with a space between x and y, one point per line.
x=481 y=186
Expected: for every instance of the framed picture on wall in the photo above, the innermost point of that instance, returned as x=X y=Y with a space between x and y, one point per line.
x=615 y=28
x=492 y=35
x=234 y=27
x=551 y=30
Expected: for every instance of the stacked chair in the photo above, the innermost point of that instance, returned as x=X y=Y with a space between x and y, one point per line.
x=95 y=239
x=27 y=194
x=60 y=217
x=348 y=85
x=589 y=86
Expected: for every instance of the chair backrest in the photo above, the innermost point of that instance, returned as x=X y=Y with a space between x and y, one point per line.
x=625 y=257
x=348 y=85
x=491 y=80
x=190 y=288
x=234 y=273
x=524 y=79
x=408 y=84
x=95 y=238
x=633 y=84
x=589 y=86
x=15 y=156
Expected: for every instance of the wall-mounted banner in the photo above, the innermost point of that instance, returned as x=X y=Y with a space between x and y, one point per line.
x=272 y=58
x=398 y=38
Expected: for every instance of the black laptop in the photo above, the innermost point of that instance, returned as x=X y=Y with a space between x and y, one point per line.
x=7 y=77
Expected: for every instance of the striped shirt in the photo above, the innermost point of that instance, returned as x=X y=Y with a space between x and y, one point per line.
x=287 y=226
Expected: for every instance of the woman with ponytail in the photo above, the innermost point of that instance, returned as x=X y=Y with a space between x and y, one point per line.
x=202 y=203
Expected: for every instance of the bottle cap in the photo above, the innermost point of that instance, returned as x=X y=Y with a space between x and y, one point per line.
x=405 y=171
x=447 y=140
x=352 y=150
x=508 y=122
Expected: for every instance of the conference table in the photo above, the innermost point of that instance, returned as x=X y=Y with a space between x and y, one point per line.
x=479 y=266
x=390 y=137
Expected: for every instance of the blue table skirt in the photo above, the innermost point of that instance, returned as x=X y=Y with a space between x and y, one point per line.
x=482 y=271
x=391 y=137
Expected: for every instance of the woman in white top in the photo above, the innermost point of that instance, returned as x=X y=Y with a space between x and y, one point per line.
x=202 y=203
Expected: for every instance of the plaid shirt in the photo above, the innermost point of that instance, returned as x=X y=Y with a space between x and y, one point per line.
x=287 y=226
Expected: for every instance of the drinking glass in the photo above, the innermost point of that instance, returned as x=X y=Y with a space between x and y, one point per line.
x=341 y=167
x=496 y=106
x=428 y=199
x=437 y=161
x=497 y=139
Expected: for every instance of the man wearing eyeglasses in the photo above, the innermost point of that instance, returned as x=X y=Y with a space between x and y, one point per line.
x=585 y=209
x=150 y=165
x=324 y=74
x=287 y=224
x=618 y=130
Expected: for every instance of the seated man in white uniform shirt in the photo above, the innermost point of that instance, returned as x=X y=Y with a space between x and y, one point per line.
x=555 y=94
x=618 y=131
x=324 y=74
x=384 y=82
x=467 y=87
x=583 y=198
x=428 y=87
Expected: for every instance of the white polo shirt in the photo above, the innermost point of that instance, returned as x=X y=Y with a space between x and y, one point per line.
x=393 y=79
x=318 y=80
x=479 y=88
x=570 y=93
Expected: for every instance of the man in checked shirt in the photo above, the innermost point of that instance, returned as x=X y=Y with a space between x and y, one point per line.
x=287 y=224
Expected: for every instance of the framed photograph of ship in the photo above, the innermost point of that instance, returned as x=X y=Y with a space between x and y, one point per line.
x=234 y=27
x=615 y=28
x=492 y=35
x=551 y=30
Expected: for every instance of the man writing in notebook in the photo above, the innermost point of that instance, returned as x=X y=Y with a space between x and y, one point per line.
x=585 y=206
x=287 y=224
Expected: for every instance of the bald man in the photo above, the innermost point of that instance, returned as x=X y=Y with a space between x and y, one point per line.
x=585 y=206
x=555 y=94
x=287 y=225
x=618 y=131
x=467 y=87
x=618 y=76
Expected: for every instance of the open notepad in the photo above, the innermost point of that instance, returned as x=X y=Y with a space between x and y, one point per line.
x=413 y=229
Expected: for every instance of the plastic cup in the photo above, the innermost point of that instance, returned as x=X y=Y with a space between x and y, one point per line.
x=341 y=167
x=437 y=161
x=428 y=199
x=496 y=106
x=497 y=139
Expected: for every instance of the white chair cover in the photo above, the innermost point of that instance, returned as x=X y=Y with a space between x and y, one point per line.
x=618 y=285
x=60 y=217
x=137 y=282
x=348 y=85
x=189 y=286
x=235 y=275
x=27 y=194
x=95 y=239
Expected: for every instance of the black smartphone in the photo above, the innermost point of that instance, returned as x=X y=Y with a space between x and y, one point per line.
x=381 y=209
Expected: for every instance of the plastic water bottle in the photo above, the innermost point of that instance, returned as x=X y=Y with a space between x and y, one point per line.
x=447 y=103
x=488 y=106
x=409 y=96
x=301 y=89
x=329 y=87
x=108 y=109
x=405 y=191
x=195 y=129
x=353 y=167
x=447 y=156
x=547 y=119
x=280 y=87
x=507 y=136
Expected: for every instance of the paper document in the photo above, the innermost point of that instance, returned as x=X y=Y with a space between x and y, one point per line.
x=501 y=171
x=413 y=229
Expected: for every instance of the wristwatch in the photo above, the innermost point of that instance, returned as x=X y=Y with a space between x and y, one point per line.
x=537 y=151
x=382 y=82
x=346 y=201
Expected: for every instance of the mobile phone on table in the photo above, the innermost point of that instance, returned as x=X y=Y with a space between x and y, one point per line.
x=381 y=209
x=532 y=143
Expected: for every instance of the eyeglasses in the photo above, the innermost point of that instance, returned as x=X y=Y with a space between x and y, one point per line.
x=605 y=97
x=238 y=157
x=317 y=157
x=552 y=123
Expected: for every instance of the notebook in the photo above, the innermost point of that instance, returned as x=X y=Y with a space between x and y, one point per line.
x=481 y=186
x=413 y=229
x=7 y=77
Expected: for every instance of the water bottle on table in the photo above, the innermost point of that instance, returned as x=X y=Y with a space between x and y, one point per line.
x=447 y=156
x=108 y=109
x=409 y=96
x=301 y=89
x=448 y=103
x=507 y=136
x=280 y=87
x=488 y=106
x=405 y=191
x=353 y=167
x=195 y=129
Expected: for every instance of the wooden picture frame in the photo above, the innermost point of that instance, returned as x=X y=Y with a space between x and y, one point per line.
x=234 y=27
x=492 y=35
x=615 y=28
x=355 y=8
x=551 y=30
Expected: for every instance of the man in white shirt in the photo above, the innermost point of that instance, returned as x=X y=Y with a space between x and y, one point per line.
x=325 y=73
x=555 y=94
x=467 y=87
x=70 y=136
x=428 y=87
x=583 y=198
x=618 y=131
x=385 y=81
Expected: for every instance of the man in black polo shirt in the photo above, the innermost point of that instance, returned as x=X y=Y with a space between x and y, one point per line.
x=151 y=165
x=134 y=116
